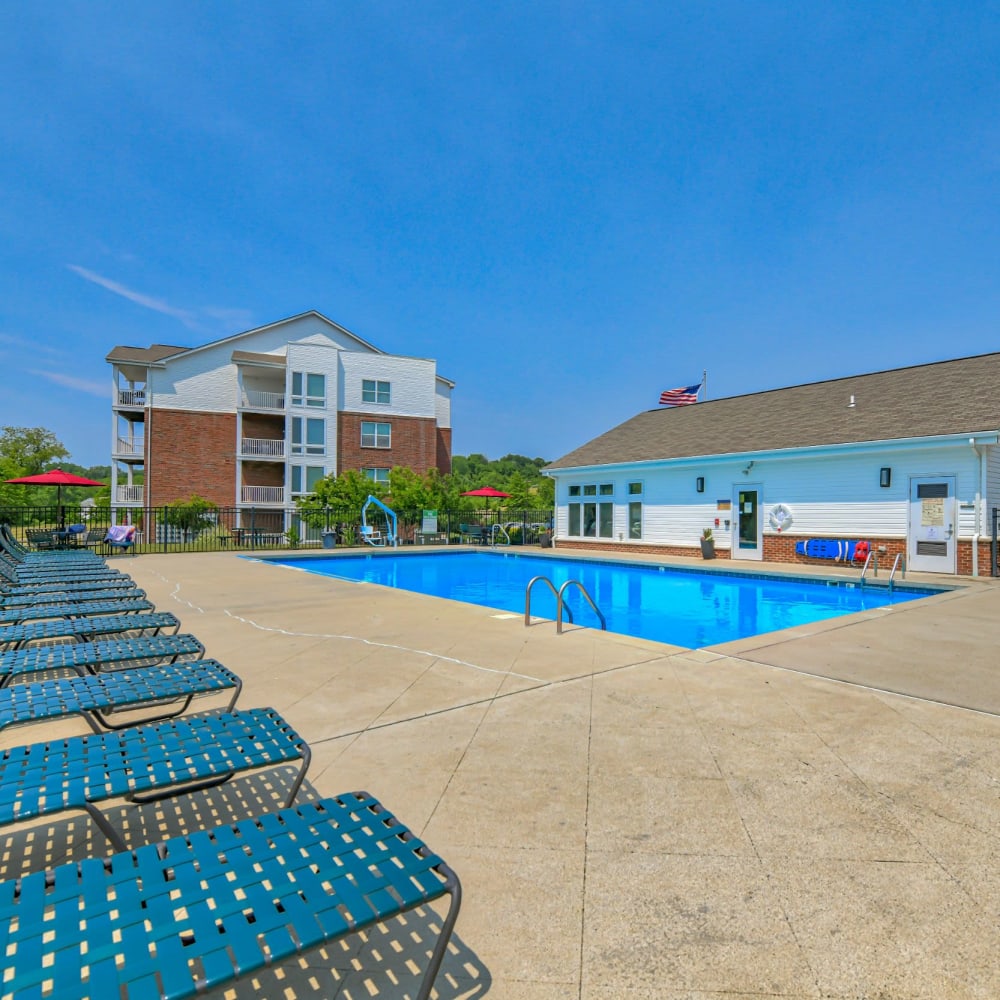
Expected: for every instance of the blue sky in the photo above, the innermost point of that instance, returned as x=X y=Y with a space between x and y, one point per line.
x=571 y=206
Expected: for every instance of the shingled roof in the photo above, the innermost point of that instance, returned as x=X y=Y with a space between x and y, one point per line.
x=948 y=397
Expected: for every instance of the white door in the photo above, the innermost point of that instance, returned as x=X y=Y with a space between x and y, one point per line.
x=748 y=522
x=930 y=544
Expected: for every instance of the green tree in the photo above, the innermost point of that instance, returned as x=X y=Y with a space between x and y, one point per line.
x=192 y=515
x=27 y=451
x=30 y=450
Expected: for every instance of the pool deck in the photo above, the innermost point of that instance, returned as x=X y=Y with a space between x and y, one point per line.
x=629 y=820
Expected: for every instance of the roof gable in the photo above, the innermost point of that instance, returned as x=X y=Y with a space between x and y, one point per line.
x=944 y=398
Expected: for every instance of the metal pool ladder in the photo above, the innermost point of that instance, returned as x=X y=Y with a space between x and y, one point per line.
x=561 y=604
x=871 y=560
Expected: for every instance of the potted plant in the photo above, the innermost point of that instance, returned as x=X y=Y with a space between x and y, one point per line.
x=707 y=544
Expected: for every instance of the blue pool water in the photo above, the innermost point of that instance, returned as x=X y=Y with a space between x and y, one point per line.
x=665 y=604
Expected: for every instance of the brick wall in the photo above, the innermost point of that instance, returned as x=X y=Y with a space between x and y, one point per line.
x=261 y=425
x=190 y=452
x=414 y=443
x=444 y=449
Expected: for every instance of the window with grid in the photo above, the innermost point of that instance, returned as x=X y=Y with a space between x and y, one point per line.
x=375 y=435
x=308 y=436
x=308 y=389
x=377 y=475
x=373 y=391
x=305 y=478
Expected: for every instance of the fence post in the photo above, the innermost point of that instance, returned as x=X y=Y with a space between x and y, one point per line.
x=253 y=529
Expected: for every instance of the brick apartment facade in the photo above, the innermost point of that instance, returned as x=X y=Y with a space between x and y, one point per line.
x=255 y=419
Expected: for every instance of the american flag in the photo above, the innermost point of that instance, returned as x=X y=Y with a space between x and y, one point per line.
x=680 y=397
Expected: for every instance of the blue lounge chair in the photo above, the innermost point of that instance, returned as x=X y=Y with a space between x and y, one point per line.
x=120 y=537
x=96 y=696
x=70 y=592
x=16 y=575
x=91 y=657
x=143 y=764
x=130 y=602
x=205 y=910
x=81 y=629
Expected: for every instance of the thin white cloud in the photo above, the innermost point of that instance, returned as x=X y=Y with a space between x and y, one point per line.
x=30 y=345
x=209 y=318
x=71 y=382
x=147 y=301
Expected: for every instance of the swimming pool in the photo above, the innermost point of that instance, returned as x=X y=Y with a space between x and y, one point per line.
x=666 y=604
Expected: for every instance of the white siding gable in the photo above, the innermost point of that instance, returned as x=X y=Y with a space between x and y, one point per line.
x=412 y=383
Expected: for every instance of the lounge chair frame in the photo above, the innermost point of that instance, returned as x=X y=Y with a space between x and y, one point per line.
x=81 y=629
x=96 y=696
x=130 y=602
x=144 y=763
x=252 y=894
x=90 y=657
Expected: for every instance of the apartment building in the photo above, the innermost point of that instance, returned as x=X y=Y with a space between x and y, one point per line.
x=257 y=419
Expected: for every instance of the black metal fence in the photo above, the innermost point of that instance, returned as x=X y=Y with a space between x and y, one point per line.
x=172 y=529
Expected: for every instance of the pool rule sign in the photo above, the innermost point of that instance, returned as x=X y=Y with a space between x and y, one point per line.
x=429 y=522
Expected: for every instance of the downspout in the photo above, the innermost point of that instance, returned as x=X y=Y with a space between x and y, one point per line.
x=980 y=493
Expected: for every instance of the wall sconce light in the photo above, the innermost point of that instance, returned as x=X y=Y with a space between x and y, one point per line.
x=885 y=476
x=699 y=484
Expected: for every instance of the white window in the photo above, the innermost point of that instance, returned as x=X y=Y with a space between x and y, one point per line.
x=305 y=478
x=377 y=475
x=375 y=435
x=308 y=436
x=635 y=519
x=373 y=391
x=308 y=389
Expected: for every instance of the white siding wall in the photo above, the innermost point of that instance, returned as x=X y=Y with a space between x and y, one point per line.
x=829 y=495
x=206 y=379
x=315 y=358
x=442 y=401
x=413 y=382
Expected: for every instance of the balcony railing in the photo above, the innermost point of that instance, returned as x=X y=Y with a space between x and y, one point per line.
x=125 y=448
x=131 y=397
x=262 y=447
x=269 y=495
x=259 y=400
x=129 y=494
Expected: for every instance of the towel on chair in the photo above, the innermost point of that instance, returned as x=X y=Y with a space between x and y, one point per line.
x=120 y=534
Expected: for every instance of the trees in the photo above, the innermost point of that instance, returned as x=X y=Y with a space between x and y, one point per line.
x=25 y=451
x=192 y=515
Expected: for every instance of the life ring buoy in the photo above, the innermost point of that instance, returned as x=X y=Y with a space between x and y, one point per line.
x=780 y=517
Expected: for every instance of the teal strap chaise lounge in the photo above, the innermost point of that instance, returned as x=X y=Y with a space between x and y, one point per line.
x=13 y=573
x=144 y=763
x=67 y=596
x=97 y=696
x=81 y=629
x=205 y=910
x=105 y=654
x=25 y=593
x=129 y=602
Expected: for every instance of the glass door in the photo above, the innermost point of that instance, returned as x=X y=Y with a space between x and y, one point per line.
x=747 y=527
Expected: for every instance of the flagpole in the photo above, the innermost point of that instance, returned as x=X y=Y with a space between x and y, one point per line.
x=704 y=382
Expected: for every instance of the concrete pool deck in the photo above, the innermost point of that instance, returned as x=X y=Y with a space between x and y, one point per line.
x=629 y=820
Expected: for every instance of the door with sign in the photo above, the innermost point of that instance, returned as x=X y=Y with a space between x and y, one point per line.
x=747 y=524
x=930 y=544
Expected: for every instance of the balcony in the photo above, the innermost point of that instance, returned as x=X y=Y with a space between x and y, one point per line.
x=131 y=397
x=262 y=448
x=128 y=494
x=129 y=447
x=257 y=399
x=268 y=496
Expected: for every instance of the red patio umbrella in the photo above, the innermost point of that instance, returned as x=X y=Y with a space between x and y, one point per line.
x=485 y=491
x=58 y=479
